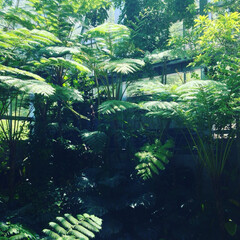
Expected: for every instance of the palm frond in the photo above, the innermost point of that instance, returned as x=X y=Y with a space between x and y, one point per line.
x=113 y=106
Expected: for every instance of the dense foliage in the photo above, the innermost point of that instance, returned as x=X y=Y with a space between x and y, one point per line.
x=82 y=130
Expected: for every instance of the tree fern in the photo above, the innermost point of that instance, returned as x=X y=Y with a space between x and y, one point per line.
x=113 y=106
x=153 y=158
x=82 y=227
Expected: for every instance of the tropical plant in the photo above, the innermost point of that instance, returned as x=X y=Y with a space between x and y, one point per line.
x=151 y=20
x=206 y=100
x=152 y=158
x=111 y=60
x=68 y=227
x=207 y=114
x=17 y=84
x=15 y=232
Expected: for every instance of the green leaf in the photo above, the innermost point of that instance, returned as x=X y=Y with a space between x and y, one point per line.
x=57 y=228
x=113 y=106
x=51 y=234
x=83 y=227
x=28 y=86
x=78 y=235
x=153 y=168
x=64 y=222
x=158 y=164
x=17 y=71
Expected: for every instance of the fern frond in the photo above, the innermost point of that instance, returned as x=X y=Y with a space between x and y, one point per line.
x=19 y=236
x=83 y=227
x=68 y=94
x=194 y=86
x=95 y=140
x=58 y=228
x=153 y=158
x=16 y=71
x=61 y=51
x=51 y=234
x=15 y=232
x=45 y=36
x=155 y=106
x=28 y=86
x=64 y=222
x=123 y=66
x=63 y=62
x=85 y=231
x=24 y=38
x=148 y=87
x=117 y=31
x=78 y=235
x=160 y=109
x=113 y=106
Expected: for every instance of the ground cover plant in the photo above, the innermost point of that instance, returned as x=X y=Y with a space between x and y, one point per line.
x=93 y=146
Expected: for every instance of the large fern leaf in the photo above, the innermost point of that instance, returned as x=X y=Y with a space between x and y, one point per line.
x=153 y=158
x=16 y=71
x=123 y=66
x=196 y=85
x=68 y=227
x=151 y=87
x=113 y=106
x=24 y=38
x=28 y=86
x=115 y=31
x=160 y=109
x=60 y=61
